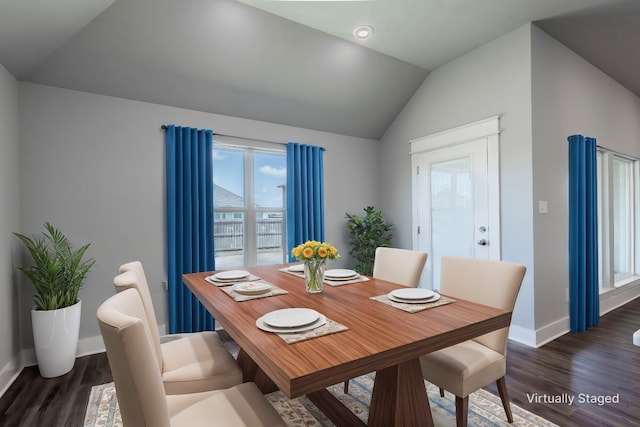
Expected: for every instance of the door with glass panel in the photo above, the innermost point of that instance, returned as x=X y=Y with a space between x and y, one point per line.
x=453 y=205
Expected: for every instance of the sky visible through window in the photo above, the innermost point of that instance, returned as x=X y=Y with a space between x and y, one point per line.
x=269 y=173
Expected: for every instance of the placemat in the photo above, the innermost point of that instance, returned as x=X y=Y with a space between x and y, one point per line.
x=331 y=327
x=359 y=279
x=294 y=273
x=251 y=278
x=413 y=308
x=243 y=297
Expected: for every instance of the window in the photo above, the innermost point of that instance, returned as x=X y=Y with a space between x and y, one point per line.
x=618 y=219
x=249 y=206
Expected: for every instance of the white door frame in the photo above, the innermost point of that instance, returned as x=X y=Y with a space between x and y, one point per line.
x=488 y=129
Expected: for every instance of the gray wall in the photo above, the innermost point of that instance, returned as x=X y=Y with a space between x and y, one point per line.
x=9 y=222
x=570 y=96
x=94 y=166
x=493 y=80
x=543 y=92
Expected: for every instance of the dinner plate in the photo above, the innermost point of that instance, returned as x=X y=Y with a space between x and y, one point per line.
x=322 y=319
x=231 y=275
x=251 y=288
x=412 y=293
x=340 y=274
x=290 y=317
x=298 y=268
x=435 y=297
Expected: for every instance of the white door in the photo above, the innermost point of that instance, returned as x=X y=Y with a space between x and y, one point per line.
x=455 y=204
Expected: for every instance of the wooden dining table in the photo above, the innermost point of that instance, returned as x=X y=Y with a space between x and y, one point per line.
x=380 y=338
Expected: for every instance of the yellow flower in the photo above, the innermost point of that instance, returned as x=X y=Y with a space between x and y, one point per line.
x=307 y=252
x=312 y=249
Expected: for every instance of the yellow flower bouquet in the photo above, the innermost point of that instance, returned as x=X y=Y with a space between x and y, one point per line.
x=314 y=255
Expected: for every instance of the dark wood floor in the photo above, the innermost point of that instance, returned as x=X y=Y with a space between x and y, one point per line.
x=601 y=362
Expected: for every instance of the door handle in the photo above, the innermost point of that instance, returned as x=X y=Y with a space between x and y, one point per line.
x=483 y=242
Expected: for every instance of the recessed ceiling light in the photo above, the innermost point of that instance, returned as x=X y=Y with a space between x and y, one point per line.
x=363 y=32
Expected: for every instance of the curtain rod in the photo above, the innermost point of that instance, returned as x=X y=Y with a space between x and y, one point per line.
x=164 y=127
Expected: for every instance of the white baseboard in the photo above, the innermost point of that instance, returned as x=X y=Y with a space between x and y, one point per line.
x=617 y=297
x=539 y=337
x=10 y=372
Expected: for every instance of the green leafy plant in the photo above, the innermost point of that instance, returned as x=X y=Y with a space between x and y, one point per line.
x=58 y=271
x=367 y=233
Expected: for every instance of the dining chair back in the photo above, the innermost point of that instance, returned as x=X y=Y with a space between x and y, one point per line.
x=189 y=363
x=134 y=365
x=403 y=266
x=142 y=286
x=466 y=367
x=489 y=282
x=139 y=386
x=137 y=280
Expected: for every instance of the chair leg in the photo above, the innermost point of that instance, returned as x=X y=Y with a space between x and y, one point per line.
x=346 y=386
x=502 y=390
x=462 y=410
x=441 y=392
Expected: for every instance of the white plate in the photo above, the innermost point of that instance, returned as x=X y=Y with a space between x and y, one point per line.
x=298 y=268
x=251 y=288
x=340 y=273
x=434 y=298
x=322 y=319
x=231 y=275
x=290 y=317
x=412 y=293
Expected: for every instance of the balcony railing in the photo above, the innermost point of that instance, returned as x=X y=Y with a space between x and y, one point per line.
x=228 y=234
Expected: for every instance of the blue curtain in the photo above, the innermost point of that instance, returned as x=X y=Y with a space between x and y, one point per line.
x=305 y=194
x=189 y=171
x=584 y=299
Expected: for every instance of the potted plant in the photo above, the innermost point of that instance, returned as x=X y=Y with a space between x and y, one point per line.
x=57 y=274
x=367 y=234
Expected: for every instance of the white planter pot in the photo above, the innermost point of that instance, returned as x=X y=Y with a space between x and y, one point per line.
x=55 y=338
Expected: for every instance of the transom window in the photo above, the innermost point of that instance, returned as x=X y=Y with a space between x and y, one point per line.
x=618 y=219
x=249 y=205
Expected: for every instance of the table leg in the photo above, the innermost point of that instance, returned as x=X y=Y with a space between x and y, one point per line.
x=251 y=372
x=400 y=397
x=334 y=409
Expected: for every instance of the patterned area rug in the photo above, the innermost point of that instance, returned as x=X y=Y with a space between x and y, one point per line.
x=485 y=409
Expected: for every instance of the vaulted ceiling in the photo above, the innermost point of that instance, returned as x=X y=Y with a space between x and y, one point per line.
x=290 y=62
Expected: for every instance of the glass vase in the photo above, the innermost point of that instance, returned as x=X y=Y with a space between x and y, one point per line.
x=314 y=275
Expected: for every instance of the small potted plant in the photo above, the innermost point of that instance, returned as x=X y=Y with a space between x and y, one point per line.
x=57 y=274
x=367 y=234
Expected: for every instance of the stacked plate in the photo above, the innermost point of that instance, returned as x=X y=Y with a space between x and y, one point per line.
x=230 y=276
x=340 y=274
x=413 y=295
x=297 y=268
x=251 y=288
x=290 y=320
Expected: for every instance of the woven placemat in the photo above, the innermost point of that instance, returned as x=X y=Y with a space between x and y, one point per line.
x=331 y=327
x=410 y=307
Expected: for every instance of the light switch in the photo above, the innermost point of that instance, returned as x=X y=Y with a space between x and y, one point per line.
x=543 y=208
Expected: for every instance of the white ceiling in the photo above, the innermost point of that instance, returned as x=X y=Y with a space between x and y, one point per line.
x=290 y=62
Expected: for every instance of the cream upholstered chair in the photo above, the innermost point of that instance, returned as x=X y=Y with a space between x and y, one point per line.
x=402 y=266
x=136 y=374
x=466 y=367
x=192 y=363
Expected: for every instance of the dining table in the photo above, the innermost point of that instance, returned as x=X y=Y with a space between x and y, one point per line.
x=374 y=337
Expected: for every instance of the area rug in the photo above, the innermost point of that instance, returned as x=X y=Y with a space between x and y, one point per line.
x=485 y=409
